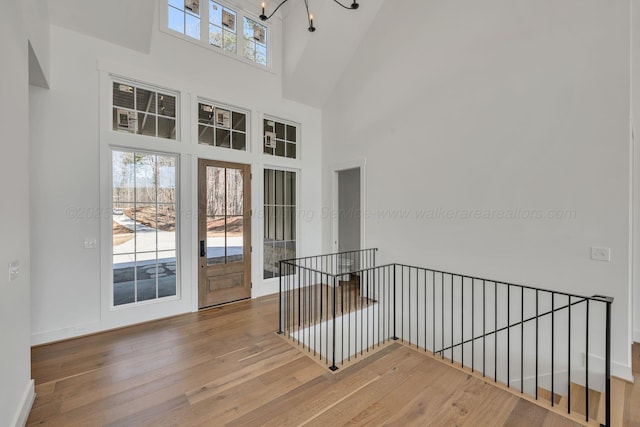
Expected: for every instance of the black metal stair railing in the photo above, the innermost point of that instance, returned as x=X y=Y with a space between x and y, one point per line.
x=326 y=301
x=341 y=306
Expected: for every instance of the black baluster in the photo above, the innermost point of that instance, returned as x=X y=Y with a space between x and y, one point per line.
x=462 y=321
x=607 y=362
x=408 y=301
x=495 y=336
x=349 y=292
x=484 y=328
x=385 y=285
x=569 y=356
x=452 y=318
x=417 y=310
x=299 y=305
x=402 y=303
x=426 y=311
x=395 y=336
x=508 y=336
x=368 y=305
x=553 y=328
x=361 y=300
x=442 y=313
x=586 y=372
x=306 y=313
x=328 y=306
x=473 y=322
x=317 y=315
x=379 y=299
x=280 y=299
x=433 y=305
x=536 y=344
x=342 y=289
x=521 y=340
x=335 y=284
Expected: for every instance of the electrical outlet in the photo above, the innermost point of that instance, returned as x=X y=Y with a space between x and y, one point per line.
x=600 y=254
x=14 y=270
x=90 y=243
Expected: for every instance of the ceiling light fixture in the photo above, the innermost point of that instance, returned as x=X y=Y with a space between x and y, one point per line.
x=264 y=17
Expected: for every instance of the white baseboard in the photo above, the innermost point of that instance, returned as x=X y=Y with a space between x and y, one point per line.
x=617 y=369
x=29 y=395
x=52 y=336
x=621 y=371
x=66 y=333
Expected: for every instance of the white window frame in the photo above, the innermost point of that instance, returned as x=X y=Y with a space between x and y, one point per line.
x=241 y=13
x=267 y=36
x=126 y=314
x=298 y=239
x=298 y=127
x=232 y=109
x=149 y=87
x=112 y=304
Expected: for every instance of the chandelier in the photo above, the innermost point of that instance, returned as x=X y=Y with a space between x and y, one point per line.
x=264 y=17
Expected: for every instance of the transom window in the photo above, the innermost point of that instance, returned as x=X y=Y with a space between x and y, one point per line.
x=222 y=27
x=280 y=138
x=184 y=17
x=221 y=126
x=255 y=41
x=212 y=23
x=144 y=111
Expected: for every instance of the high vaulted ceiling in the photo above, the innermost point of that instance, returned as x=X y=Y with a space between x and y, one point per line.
x=312 y=62
x=123 y=22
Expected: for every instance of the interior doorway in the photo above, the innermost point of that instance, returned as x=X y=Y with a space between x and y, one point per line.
x=224 y=232
x=349 y=235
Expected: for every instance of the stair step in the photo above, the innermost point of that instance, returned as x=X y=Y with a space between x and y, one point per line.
x=596 y=401
x=578 y=395
x=545 y=395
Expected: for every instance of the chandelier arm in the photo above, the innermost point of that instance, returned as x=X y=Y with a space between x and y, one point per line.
x=309 y=20
x=348 y=7
x=275 y=10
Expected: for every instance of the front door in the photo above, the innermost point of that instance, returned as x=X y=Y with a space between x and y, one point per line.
x=224 y=232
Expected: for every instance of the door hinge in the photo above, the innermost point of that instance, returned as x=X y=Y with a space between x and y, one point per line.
x=250 y=248
x=251 y=285
x=250 y=212
x=250 y=175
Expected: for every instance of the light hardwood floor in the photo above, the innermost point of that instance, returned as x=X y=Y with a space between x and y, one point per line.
x=225 y=366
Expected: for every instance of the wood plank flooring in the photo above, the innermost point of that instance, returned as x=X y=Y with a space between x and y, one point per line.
x=226 y=366
x=632 y=393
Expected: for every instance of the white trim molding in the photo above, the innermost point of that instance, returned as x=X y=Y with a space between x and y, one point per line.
x=28 y=396
x=359 y=163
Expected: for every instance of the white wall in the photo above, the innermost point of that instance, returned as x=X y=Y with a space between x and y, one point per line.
x=69 y=151
x=635 y=107
x=16 y=388
x=495 y=106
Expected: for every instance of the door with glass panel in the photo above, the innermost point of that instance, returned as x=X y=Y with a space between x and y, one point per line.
x=224 y=231
x=144 y=223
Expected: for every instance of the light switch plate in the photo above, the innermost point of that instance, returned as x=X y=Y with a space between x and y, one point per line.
x=601 y=254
